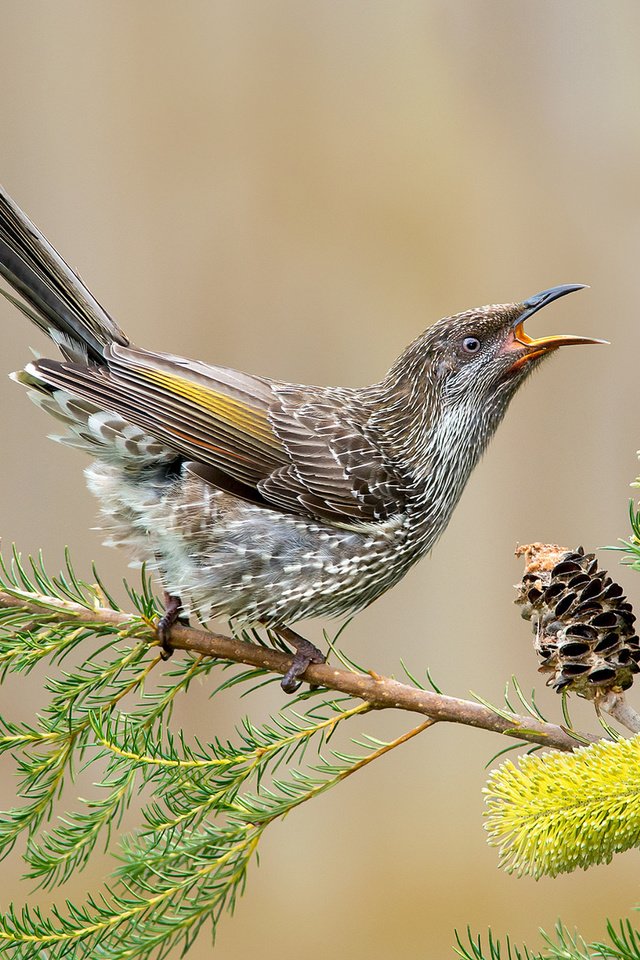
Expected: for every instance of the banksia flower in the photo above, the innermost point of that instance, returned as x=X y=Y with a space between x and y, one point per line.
x=583 y=624
x=558 y=811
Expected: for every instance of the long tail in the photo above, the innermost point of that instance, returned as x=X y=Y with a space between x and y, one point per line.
x=55 y=297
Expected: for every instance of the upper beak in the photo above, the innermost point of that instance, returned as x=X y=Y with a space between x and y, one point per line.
x=536 y=348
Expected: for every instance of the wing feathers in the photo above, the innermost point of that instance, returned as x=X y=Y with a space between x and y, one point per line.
x=299 y=450
x=173 y=418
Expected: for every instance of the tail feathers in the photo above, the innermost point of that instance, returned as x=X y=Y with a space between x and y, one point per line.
x=105 y=435
x=56 y=298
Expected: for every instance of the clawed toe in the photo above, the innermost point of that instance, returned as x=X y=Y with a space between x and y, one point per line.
x=164 y=630
x=306 y=653
x=292 y=679
x=171 y=615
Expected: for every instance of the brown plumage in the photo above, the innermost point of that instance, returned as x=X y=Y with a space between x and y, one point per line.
x=257 y=499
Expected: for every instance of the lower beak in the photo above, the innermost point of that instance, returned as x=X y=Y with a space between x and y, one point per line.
x=536 y=348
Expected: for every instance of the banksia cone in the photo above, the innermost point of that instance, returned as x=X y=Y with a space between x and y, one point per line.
x=584 y=634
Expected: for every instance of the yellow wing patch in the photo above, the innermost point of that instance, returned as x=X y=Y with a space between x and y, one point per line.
x=233 y=412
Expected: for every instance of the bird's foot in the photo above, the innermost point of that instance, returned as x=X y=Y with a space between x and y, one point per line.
x=171 y=615
x=305 y=654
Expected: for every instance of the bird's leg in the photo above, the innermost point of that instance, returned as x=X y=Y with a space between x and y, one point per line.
x=305 y=653
x=171 y=615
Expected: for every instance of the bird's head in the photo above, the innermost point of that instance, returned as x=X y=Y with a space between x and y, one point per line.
x=454 y=383
x=486 y=352
x=444 y=397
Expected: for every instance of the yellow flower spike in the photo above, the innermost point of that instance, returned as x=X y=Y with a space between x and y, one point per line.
x=555 y=812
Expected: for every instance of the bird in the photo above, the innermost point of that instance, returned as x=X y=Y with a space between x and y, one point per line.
x=250 y=498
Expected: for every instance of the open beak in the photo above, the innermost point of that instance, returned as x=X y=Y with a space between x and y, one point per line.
x=536 y=348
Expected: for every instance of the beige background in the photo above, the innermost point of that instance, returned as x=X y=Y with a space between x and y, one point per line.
x=298 y=189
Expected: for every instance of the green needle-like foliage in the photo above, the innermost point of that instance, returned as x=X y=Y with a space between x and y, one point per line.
x=473 y=948
x=631 y=547
x=623 y=943
x=205 y=805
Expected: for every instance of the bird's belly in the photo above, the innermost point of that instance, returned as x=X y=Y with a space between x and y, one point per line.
x=225 y=557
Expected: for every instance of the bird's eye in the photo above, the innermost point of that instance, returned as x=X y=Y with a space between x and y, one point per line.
x=471 y=345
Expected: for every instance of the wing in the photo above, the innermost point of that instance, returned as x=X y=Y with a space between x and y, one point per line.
x=301 y=450
x=336 y=471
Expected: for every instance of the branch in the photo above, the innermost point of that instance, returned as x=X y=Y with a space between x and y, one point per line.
x=380 y=692
x=617 y=707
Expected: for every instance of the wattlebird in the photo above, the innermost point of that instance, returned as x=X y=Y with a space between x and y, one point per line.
x=257 y=500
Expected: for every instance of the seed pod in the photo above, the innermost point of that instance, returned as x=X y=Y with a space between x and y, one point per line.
x=583 y=624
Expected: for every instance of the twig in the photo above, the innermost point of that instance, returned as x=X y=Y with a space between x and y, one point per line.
x=617 y=707
x=380 y=692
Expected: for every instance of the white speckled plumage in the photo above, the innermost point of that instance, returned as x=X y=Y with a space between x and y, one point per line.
x=256 y=499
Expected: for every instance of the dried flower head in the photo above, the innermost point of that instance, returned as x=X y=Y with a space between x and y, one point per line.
x=583 y=623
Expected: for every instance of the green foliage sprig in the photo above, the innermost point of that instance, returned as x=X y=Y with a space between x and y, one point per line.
x=206 y=805
x=623 y=943
x=631 y=546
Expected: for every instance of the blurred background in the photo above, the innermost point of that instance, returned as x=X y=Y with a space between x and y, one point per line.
x=298 y=189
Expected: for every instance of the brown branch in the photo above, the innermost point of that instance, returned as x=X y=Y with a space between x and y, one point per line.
x=380 y=692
